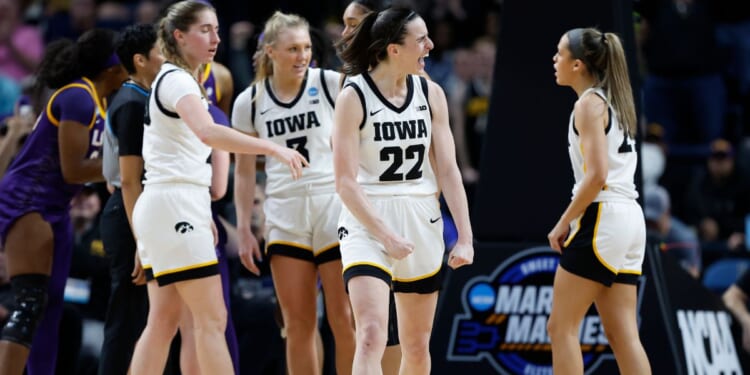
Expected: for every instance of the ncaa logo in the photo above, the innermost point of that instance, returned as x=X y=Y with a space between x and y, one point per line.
x=504 y=318
x=312 y=91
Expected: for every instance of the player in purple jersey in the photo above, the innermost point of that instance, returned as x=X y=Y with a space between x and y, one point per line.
x=60 y=155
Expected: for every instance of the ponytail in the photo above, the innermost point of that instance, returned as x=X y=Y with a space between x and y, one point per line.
x=617 y=81
x=59 y=65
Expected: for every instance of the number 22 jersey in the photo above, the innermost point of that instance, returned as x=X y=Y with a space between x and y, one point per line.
x=394 y=142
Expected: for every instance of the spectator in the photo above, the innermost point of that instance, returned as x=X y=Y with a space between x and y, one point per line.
x=717 y=200
x=672 y=236
x=21 y=46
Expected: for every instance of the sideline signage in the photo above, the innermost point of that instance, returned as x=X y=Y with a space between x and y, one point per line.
x=493 y=319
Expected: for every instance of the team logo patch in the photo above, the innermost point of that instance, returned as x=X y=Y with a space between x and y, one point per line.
x=504 y=319
x=183 y=227
x=343 y=233
x=312 y=91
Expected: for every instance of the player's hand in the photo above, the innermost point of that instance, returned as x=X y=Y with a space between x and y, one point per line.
x=557 y=236
x=249 y=250
x=293 y=159
x=398 y=247
x=461 y=255
x=138 y=274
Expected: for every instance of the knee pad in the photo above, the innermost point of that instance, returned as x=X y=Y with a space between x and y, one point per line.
x=30 y=292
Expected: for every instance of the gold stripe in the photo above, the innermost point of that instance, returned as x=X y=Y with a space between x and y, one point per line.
x=630 y=272
x=578 y=228
x=326 y=248
x=376 y=265
x=102 y=107
x=593 y=240
x=186 y=268
x=289 y=243
x=427 y=276
x=206 y=72
x=51 y=117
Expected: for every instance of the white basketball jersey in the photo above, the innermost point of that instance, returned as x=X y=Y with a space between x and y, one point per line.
x=394 y=142
x=621 y=156
x=304 y=124
x=171 y=151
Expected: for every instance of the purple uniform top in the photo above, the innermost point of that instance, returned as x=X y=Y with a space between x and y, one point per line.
x=213 y=91
x=34 y=180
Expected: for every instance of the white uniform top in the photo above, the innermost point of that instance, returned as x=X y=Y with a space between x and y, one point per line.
x=621 y=156
x=304 y=124
x=394 y=142
x=171 y=151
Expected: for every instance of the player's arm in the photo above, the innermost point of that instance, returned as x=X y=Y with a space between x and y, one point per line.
x=449 y=177
x=736 y=301
x=127 y=122
x=590 y=115
x=244 y=186
x=77 y=115
x=347 y=118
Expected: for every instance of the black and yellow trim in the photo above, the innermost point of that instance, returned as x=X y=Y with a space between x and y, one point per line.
x=195 y=271
x=366 y=269
x=627 y=277
x=425 y=284
x=290 y=249
x=329 y=253
x=580 y=255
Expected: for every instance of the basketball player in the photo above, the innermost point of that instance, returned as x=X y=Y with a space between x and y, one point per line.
x=60 y=155
x=353 y=15
x=171 y=218
x=602 y=233
x=291 y=105
x=127 y=307
x=386 y=120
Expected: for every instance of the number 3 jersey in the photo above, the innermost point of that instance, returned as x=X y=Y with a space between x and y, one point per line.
x=304 y=124
x=621 y=157
x=394 y=142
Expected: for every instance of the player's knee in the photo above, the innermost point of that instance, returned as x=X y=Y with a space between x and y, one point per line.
x=371 y=335
x=30 y=293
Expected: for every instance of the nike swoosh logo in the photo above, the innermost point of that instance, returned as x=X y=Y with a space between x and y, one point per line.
x=263 y=112
x=433 y=221
x=373 y=113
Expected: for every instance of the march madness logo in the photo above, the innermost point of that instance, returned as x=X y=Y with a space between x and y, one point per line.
x=505 y=316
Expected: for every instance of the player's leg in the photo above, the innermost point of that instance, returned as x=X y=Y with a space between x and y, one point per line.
x=204 y=298
x=152 y=349
x=295 y=281
x=617 y=309
x=572 y=297
x=369 y=299
x=415 y=317
x=29 y=248
x=339 y=314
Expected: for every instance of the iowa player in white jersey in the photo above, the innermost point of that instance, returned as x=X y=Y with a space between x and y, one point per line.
x=172 y=217
x=386 y=120
x=291 y=105
x=602 y=233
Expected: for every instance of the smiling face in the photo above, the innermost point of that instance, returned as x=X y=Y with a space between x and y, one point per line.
x=415 y=47
x=198 y=44
x=564 y=63
x=291 y=52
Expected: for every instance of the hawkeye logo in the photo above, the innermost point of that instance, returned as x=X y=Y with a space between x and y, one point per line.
x=505 y=318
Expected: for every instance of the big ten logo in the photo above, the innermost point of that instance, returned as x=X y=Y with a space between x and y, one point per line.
x=504 y=319
x=707 y=342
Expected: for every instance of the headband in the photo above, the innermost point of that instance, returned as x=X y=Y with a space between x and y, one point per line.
x=111 y=61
